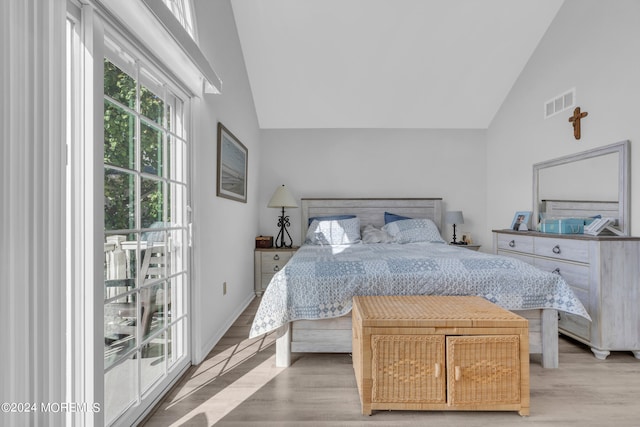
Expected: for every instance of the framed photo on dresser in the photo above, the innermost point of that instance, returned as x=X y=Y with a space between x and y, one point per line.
x=521 y=221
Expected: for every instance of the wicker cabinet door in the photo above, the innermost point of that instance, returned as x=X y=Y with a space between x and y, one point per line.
x=408 y=369
x=483 y=370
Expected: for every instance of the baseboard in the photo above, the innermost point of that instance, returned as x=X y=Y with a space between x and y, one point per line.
x=208 y=346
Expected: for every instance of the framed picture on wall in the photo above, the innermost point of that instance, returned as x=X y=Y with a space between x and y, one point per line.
x=232 y=166
x=521 y=221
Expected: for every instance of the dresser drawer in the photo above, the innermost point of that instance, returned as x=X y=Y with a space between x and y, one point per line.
x=272 y=262
x=266 y=279
x=522 y=257
x=267 y=262
x=573 y=250
x=583 y=296
x=576 y=275
x=513 y=242
x=574 y=325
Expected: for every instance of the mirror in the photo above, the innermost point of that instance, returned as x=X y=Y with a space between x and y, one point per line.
x=585 y=184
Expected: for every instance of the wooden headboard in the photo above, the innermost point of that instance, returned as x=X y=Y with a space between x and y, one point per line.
x=371 y=211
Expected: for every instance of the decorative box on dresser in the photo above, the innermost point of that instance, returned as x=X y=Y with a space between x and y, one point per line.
x=267 y=262
x=604 y=273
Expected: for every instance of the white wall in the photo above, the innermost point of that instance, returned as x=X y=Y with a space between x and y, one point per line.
x=593 y=46
x=375 y=163
x=224 y=230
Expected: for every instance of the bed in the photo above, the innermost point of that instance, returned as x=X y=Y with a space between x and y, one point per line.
x=308 y=302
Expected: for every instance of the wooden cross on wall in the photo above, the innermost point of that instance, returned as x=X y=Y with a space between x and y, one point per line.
x=575 y=119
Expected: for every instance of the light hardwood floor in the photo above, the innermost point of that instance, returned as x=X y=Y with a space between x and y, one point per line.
x=239 y=385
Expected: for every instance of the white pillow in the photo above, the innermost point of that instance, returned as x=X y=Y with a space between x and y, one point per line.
x=333 y=232
x=414 y=230
x=371 y=234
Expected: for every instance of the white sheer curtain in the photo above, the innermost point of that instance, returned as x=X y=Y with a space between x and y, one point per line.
x=32 y=248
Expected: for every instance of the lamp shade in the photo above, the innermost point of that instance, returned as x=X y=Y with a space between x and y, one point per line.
x=282 y=198
x=454 y=217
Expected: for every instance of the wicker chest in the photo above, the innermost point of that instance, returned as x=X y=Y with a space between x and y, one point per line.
x=439 y=353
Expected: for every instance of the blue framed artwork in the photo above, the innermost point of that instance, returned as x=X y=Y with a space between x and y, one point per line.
x=232 y=166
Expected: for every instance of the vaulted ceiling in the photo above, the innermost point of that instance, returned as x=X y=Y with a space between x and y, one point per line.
x=386 y=63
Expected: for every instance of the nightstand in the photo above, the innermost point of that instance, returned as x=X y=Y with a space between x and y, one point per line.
x=471 y=247
x=267 y=262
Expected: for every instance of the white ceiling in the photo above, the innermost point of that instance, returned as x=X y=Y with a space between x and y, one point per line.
x=386 y=63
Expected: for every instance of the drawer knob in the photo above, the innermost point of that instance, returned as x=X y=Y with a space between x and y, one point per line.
x=556 y=271
x=276 y=268
x=556 y=249
x=276 y=257
x=436 y=371
x=512 y=244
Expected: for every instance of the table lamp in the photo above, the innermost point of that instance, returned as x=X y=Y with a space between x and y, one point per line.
x=454 y=217
x=282 y=198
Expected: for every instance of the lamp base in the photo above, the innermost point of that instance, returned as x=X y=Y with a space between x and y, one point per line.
x=283 y=223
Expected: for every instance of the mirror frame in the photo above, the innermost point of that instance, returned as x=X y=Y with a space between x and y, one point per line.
x=624 y=195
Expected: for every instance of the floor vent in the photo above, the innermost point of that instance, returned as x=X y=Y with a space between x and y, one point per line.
x=560 y=103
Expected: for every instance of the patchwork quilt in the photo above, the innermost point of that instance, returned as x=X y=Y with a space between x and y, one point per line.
x=319 y=281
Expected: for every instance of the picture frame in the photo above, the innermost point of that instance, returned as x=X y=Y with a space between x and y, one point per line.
x=232 y=167
x=466 y=238
x=521 y=217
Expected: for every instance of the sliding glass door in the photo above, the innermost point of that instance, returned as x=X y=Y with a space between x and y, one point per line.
x=145 y=230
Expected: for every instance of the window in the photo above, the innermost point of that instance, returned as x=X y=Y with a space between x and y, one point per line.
x=182 y=10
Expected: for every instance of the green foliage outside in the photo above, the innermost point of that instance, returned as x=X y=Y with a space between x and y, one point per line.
x=120 y=150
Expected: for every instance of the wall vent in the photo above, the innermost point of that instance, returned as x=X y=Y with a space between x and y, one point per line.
x=560 y=103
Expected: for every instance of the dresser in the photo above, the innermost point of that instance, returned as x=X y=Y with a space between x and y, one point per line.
x=604 y=273
x=267 y=262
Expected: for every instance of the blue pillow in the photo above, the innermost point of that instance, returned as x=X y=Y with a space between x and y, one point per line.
x=389 y=217
x=329 y=218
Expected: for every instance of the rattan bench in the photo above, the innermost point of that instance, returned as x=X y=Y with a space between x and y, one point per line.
x=439 y=353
